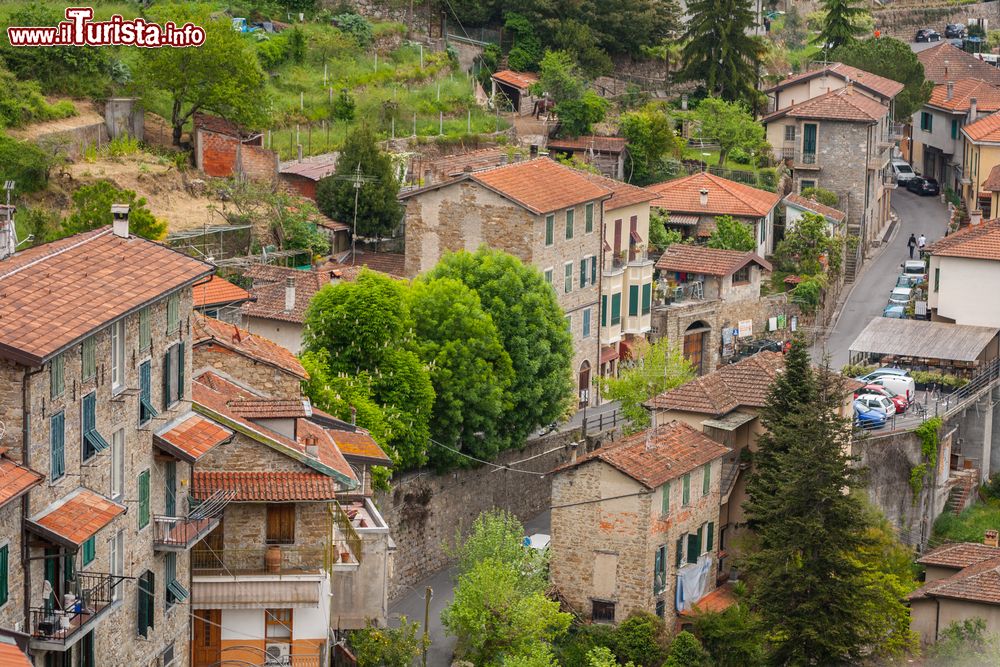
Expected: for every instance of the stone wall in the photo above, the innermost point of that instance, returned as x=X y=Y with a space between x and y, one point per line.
x=425 y=510
x=12 y=611
x=244 y=528
x=264 y=377
x=901 y=20
x=245 y=454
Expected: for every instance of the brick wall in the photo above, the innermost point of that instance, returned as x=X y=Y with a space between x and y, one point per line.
x=223 y=156
x=264 y=377
x=259 y=163
x=300 y=184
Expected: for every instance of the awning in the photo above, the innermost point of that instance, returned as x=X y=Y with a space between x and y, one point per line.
x=190 y=436
x=731 y=421
x=608 y=354
x=73 y=519
x=635 y=236
x=626 y=349
x=676 y=219
x=256 y=591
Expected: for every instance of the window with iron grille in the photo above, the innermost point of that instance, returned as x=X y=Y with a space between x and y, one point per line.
x=602 y=611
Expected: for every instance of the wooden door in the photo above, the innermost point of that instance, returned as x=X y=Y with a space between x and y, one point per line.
x=693 y=350
x=207 y=637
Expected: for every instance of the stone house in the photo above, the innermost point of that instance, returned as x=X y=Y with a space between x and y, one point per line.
x=959 y=264
x=18 y=480
x=538 y=210
x=606 y=154
x=95 y=348
x=694 y=202
x=981 y=157
x=842 y=141
x=634 y=524
x=937 y=138
x=706 y=294
x=224 y=149
x=829 y=77
x=961 y=584
x=220 y=299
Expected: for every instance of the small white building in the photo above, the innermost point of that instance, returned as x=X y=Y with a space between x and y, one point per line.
x=797 y=205
x=963 y=268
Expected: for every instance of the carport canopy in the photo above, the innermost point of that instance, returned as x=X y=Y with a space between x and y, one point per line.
x=885 y=336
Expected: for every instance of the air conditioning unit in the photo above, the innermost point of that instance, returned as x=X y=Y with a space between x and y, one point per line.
x=278 y=655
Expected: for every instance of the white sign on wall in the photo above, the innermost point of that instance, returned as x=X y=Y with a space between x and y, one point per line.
x=746 y=328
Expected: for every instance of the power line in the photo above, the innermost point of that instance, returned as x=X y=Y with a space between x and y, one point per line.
x=493 y=465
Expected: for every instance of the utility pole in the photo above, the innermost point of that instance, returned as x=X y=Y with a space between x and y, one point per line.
x=354 y=235
x=428 y=596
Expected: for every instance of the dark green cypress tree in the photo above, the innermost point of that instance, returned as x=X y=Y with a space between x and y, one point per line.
x=720 y=51
x=840 y=25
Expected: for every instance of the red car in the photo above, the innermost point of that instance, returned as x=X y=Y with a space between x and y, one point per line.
x=898 y=401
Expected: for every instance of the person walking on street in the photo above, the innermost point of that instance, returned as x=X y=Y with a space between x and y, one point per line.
x=911 y=244
x=921 y=242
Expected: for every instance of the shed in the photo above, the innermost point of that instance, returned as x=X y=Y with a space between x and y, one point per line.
x=607 y=154
x=516 y=87
x=304 y=174
x=919 y=343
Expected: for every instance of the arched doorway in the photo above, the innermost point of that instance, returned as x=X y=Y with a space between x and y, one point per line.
x=694 y=345
x=584 y=383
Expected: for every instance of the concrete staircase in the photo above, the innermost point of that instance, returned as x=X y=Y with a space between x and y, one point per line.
x=963 y=490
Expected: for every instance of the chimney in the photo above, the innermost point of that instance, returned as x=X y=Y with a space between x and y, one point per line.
x=312 y=449
x=946 y=68
x=504 y=159
x=951 y=90
x=573 y=447
x=119 y=217
x=991 y=538
x=703 y=196
x=972 y=109
x=289 y=294
x=684 y=102
x=850 y=86
x=354 y=416
x=975 y=217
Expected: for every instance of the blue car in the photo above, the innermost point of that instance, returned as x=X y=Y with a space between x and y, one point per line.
x=895 y=311
x=867 y=418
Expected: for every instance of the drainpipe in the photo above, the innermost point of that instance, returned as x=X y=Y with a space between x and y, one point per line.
x=937 y=617
x=26 y=498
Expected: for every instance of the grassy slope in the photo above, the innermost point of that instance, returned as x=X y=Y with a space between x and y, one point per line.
x=970 y=524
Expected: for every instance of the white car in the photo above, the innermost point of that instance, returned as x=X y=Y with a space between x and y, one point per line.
x=900 y=296
x=876 y=402
x=901 y=385
x=902 y=170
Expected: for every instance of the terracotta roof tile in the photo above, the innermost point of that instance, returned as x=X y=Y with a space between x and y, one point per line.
x=15 y=480
x=687 y=258
x=873 y=82
x=359 y=444
x=745 y=383
x=725 y=197
x=844 y=104
x=622 y=194
x=985 y=129
x=264 y=486
x=980 y=241
x=450 y=166
x=992 y=182
x=389 y=263
x=979 y=582
x=270 y=408
x=191 y=437
x=328 y=451
x=719 y=600
x=314 y=168
x=517 y=79
x=208 y=330
x=598 y=144
x=944 y=62
x=218 y=125
x=12 y=656
x=815 y=207
x=987 y=96
x=656 y=455
x=959 y=555
x=54 y=295
x=75 y=517
x=218 y=291
x=541 y=185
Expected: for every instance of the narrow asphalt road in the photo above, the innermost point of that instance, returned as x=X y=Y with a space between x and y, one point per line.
x=411 y=604
x=870 y=292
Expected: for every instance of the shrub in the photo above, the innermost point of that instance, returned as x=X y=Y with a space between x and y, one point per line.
x=640 y=639
x=823 y=196
x=739 y=155
x=25 y=163
x=856 y=370
x=358 y=27
x=387 y=647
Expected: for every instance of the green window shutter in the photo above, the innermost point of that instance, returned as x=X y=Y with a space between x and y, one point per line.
x=166 y=377
x=604 y=310
x=180 y=370
x=143 y=499
x=88 y=356
x=710 y=537
x=686 y=491
x=145 y=339
x=151 y=600
x=658 y=571
x=146 y=409
x=665 y=499
x=583 y=273
x=89 y=419
x=593 y=270
x=56 y=376
x=569 y=223
x=647 y=294
x=694 y=546
x=633 y=300
x=173 y=314
x=616 y=308
x=550 y=225
x=568 y=286
x=56 y=442
x=590 y=218
x=89 y=548
x=937 y=279
x=679 y=551
x=170 y=488
x=140 y=607
x=706 y=483
x=586 y=323
x=954 y=128
x=4 y=552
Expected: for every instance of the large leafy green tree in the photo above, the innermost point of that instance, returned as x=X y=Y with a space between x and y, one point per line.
x=577 y=107
x=720 y=52
x=469 y=369
x=378 y=210
x=651 y=137
x=894 y=60
x=804 y=244
x=222 y=76
x=92 y=209
x=532 y=329
x=840 y=26
x=362 y=329
x=731 y=234
x=731 y=124
x=820 y=600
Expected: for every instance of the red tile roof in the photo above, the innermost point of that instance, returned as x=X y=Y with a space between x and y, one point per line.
x=217 y=292
x=390 y=263
x=314 y=168
x=327 y=450
x=719 y=600
x=75 y=517
x=725 y=197
x=979 y=582
x=15 y=480
x=987 y=96
x=191 y=437
x=208 y=330
x=687 y=258
x=873 y=82
x=843 y=104
x=986 y=129
x=980 y=241
x=656 y=455
x=959 y=555
x=815 y=207
x=270 y=408
x=622 y=194
x=541 y=185
x=450 y=166
x=56 y=294
x=745 y=383
x=517 y=79
x=589 y=142
x=992 y=182
x=359 y=445
x=264 y=486
x=944 y=62
x=11 y=655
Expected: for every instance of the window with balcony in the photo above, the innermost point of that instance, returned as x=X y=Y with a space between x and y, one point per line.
x=146 y=603
x=742 y=276
x=57 y=442
x=170 y=488
x=88 y=359
x=57 y=376
x=281 y=523
x=93 y=441
x=117 y=356
x=550 y=228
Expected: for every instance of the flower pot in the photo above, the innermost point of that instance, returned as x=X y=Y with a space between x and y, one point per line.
x=345 y=556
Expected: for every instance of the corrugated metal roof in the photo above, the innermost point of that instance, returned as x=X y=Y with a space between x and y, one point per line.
x=313 y=168
x=919 y=338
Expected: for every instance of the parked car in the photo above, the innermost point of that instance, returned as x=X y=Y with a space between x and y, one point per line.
x=899 y=402
x=923 y=186
x=884 y=370
x=916 y=268
x=902 y=170
x=866 y=417
x=927 y=35
x=900 y=296
x=954 y=30
x=894 y=311
x=901 y=385
x=907 y=280
x=877 y=402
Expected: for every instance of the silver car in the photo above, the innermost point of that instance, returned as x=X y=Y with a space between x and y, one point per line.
x=900 y=296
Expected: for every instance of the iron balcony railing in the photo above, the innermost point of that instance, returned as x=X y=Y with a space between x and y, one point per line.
x=180 y=533
x=347 y=535
x=797 y=156
x=56 y=628
x=261 y=560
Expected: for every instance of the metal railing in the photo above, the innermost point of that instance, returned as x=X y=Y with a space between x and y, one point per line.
x=179 y=533
x=602 y=421
x=350 y=536
x=254 y=561
x=94 y=593
x=796 y=155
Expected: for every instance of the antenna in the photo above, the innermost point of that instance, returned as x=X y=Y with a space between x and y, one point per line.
x=357 y=179
x=9 y=187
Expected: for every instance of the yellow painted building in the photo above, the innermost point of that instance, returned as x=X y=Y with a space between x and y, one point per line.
x=981 y=150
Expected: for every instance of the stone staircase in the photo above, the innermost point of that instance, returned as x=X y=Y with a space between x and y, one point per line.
x=963 y=490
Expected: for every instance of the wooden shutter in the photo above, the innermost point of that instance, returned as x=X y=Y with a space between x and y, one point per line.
x=56 y=441
x=593 y=270
x=665 y=499
x=633 y=300
x=658 y=571
x=618 y=236
x=694 y=546
x=4 y=551
x=710 y=537
x=686 y=495
x=616 y=308
x=604 y=310
x=647 y=290
x=583 y=273
x=170 y=486
x=706 y=483
x=166 y=377
x=281 y=524
x=141 y=607
x=180 y=370
x=143 y=498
